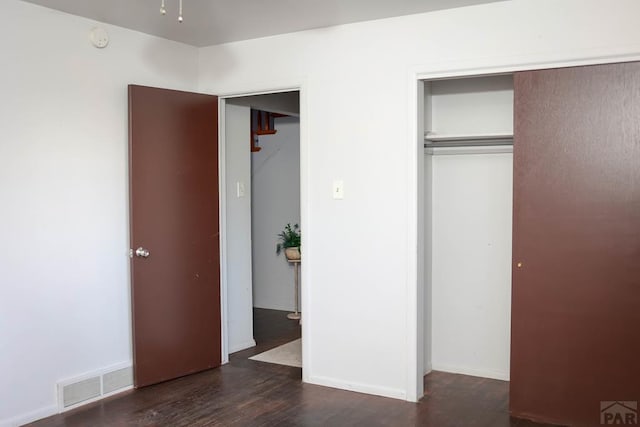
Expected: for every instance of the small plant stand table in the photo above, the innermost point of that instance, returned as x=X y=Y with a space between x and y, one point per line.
x=296 y=264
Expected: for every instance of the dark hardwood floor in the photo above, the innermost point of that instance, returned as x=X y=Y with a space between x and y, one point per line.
x=249 y=393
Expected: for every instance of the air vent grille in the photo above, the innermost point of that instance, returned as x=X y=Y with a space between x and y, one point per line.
x=75 y=393
x=93 y=386
x=115 y=380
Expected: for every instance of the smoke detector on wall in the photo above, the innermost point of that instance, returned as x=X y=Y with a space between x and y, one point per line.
x=99 y=37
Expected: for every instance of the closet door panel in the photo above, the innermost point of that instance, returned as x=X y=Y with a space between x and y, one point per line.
x=576 y=242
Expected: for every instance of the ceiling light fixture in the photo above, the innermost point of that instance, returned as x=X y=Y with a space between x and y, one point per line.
x=163 y=9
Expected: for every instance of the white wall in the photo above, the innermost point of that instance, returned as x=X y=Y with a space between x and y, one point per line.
x=471 y=263
x=238 y=225
x=275 y=177
x=359 y=296
x=64 y=290
x=471 y=106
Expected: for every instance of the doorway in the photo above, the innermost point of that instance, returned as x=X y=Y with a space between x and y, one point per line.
x=261 y=193
x=222 y=256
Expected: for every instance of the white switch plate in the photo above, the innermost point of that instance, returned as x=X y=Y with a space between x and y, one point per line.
x=338 y=189
x=240 y=189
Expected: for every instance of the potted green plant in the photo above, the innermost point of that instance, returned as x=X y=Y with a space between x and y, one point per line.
x=289 y=242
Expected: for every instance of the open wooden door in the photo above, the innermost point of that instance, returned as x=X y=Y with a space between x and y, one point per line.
x=175 y=268
x=575 y=347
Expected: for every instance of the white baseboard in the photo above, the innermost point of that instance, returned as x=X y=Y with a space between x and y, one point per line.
x=242 y=346
x=29 y=417
x=483 y=373
x=427 y=368
x=359 y=388
x=270 y=306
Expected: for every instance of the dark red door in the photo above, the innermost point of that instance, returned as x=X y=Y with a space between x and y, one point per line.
x=576 y=243
x=173 y=158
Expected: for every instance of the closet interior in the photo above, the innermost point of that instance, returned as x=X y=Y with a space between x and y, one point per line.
x=468 y=164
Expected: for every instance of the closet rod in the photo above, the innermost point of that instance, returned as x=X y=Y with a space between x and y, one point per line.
x=484 y=143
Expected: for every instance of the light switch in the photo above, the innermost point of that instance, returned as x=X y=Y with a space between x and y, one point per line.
x=240 y=189
x=338 y=189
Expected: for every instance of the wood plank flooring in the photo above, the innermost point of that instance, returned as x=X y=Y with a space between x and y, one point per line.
x=249 y=393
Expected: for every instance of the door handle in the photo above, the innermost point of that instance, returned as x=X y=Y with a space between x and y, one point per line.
x=142 y=252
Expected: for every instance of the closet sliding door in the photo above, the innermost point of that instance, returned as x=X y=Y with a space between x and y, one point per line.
x=576 y=243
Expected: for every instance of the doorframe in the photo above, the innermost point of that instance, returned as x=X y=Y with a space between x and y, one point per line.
x=301 y=87
x=417 y=75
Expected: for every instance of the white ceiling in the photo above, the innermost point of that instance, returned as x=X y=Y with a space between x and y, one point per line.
x=208 y=22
